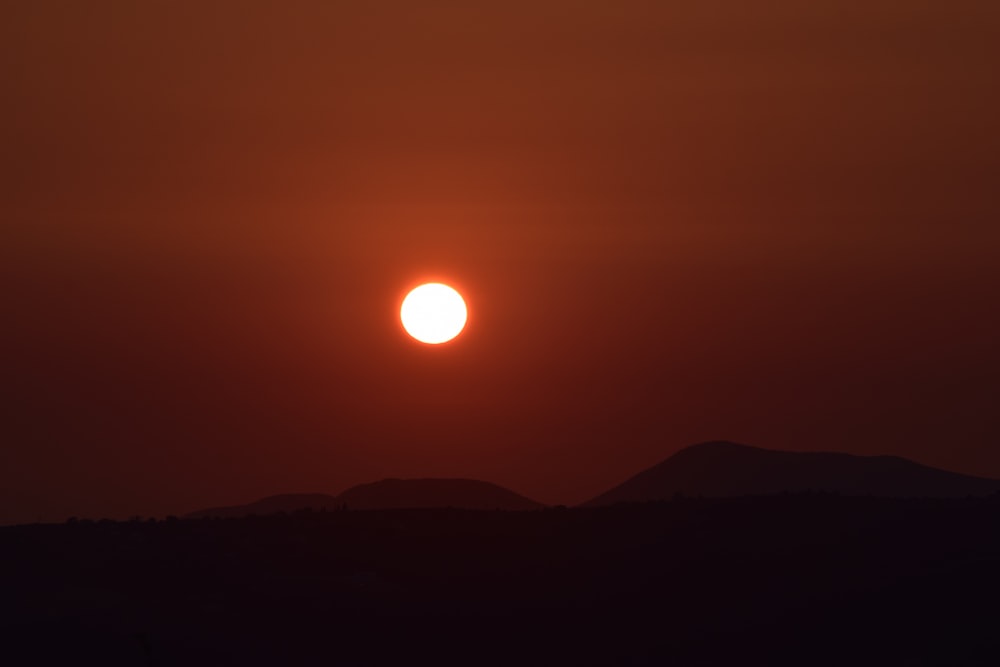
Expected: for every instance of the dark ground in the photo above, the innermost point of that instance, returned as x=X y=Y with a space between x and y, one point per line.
x=794 y=579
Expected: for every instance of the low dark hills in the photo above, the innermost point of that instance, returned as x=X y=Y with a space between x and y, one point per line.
x=726 y=469
x=429 y=493
x=711 y=470
x=287 y=502
x=388 y=494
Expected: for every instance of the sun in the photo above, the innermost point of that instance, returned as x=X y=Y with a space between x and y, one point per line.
x=433 y=313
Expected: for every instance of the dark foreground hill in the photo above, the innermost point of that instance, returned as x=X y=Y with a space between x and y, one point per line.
x=811 y=579
x=388 y=494
x=726 y=469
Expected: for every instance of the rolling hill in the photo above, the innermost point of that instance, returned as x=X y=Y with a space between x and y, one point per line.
x=419 y=493
x=725 y=469
x=287 y=502
x=388 y=494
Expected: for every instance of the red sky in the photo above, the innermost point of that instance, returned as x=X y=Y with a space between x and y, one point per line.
x=775 y=223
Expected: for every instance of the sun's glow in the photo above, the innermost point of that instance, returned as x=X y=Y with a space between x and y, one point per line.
x=433 y=313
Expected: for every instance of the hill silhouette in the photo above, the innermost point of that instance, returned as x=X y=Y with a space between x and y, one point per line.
x=286 y=502
x=727 y=469
x=388 y=494
x=431 y=493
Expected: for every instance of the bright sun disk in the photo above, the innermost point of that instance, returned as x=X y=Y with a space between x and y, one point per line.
x=433 y=313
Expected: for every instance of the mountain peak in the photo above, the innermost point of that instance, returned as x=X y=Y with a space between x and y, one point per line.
x=718 y=445
x=722 y=468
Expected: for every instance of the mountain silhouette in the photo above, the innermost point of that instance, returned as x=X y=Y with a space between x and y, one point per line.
x=427 y=493
x=389 y=494
x=286 y=502
x=723 y=469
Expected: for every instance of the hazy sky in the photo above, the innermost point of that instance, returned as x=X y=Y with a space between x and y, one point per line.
x=771 y=222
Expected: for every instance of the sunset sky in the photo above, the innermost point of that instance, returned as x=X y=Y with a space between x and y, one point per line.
x=673 y=221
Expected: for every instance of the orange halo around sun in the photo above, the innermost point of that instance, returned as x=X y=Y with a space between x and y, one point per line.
x=433 y=313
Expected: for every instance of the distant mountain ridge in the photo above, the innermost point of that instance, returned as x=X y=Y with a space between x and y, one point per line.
x=388 y=494
x=725 y=469
x=710 y=469
x=461 y=493
x=287 y=502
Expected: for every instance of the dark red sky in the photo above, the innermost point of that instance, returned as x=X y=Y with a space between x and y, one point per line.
x=771 y=222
